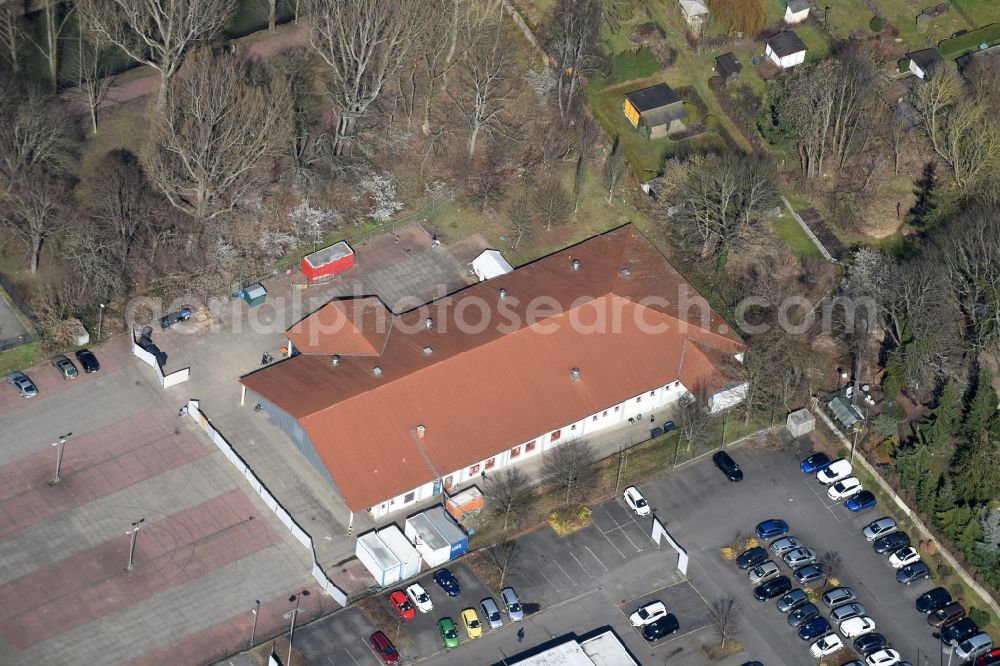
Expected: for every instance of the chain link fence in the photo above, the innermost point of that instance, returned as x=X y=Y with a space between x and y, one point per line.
x=14 y=299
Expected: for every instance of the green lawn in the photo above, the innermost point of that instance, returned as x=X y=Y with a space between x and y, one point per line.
x=789 y=231
x=19 y=358
x=959 y=46
x=978 y=12
x=902 y=14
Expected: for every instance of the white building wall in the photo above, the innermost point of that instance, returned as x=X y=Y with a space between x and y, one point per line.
x=795 y=17
x=787 y=61
x=915 y=68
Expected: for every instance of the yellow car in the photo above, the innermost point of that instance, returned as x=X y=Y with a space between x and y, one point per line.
x=471 y=622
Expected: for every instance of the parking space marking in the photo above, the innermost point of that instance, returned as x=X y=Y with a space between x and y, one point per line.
x=674 y=637
x=613 y=545
x=563 y=570
x=637 y=549
x=352 y=657
x=596 y=558
x=589 y=575
x=557 y=588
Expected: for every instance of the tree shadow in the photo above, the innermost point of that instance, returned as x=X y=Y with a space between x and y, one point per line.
x=919 y=215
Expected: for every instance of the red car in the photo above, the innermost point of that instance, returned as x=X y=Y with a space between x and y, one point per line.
x=402 y=605
x=988 y=659
x=384 y=648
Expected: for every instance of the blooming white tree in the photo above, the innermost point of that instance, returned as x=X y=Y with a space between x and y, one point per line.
x=380 y=190
x=311 y=224
x=542 y=81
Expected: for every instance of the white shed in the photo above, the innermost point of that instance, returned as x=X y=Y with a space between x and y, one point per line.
x=800 y=423
x=796 y=11
x=433 y=547
x=490 y=264
x=378 y=559
x=785 y=49
x=404 y=551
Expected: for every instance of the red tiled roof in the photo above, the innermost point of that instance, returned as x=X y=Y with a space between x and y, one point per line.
x=351 y=327
x=626 y=319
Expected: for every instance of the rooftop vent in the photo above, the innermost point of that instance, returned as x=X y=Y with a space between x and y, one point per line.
x=503 y=294
x=428 y=323
x=626 y=272
x=574 y=374
x=420 y=431
x=377 y=371
x=428 y=351
x=576 y=265
x=335 y=361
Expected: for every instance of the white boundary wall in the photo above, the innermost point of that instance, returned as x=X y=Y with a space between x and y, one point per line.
x=194 y=411
x=166 y=381
x=660 y=531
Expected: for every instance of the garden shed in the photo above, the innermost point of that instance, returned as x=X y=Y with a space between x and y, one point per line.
x=255 y=294
x=922 y=62
x=785 y=49
x=728 y=67
x=377 y=557
x=800 y=423
x=490 y=264
x=658 y=108
x=404 y=551
x=328 y=262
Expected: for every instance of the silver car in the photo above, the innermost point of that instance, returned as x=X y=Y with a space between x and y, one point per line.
x=762 y=572
x=24 y=386
x=492 y=612
x=846 y=612
x=800 y=557
x=839 y=595
x=65 y=367
x=785 y=544
x=508 y=597
x=879 y=528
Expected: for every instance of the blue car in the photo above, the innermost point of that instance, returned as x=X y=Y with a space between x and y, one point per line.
x=815 y=463
x=863 y=500
x=769 y=529
x=447 y=582
x=815 y=628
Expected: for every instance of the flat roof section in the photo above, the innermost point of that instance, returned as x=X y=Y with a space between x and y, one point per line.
x=328 y=255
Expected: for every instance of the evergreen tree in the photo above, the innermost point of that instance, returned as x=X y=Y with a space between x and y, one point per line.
x=954 y=522
x=911 y=463
x=927 y=490
x=945 y=500
x=970 y=534
x=990 y=525
x=982 y=407
x=975 y=470
x=946 y=418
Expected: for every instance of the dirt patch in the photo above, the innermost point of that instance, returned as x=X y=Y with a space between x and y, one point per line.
x=822 y=230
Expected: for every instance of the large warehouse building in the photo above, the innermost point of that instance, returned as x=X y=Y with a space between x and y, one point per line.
x=396 y=408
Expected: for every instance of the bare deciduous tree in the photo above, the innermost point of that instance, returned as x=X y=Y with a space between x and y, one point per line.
x=440 y=48
x=363 y=43
x=217 y=131
x=156 y=33
x=692 y=417
x=571 y=467
x=574 y=31
x=831 y=561
x=522 y=221
x=550 y=201
x=34 y=214
x=725 y=613
x=614 y=167
x=11 y=37
x=32 y=140
x=508 y=493
x=486 y=88
x=93 y=80
x=504 y=557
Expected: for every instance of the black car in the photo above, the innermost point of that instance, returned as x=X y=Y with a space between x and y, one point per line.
x=664 y=626
x=955 y=633
x=912 y=573
x=870 y=643
x=88 y=361
x=751 y=558
x=928 y=602
x=890 y=543
x=728 y=466
x=172 y=318
x=802 y=614
x=772 y=588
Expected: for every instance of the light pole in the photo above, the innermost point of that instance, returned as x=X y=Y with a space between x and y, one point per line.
x=131 y=546
x=253 y=630
x=854 y=443
x=60 y=446
x=100 y=317
x=292 y=613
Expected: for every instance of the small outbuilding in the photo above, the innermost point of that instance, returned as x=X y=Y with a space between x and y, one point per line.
x=800 y=423
x=490 y=264
x=255 y=294
x=785 y=49
x=396 y=541
x=796 y=11
x=328 y=262
x=458 y=540
x=728 y=67
x=695 y=14
x=658 y=108
x=378 y=559
x=922 y=62
x=429 y=542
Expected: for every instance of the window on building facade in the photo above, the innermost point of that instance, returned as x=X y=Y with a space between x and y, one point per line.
x=448 y=481
x=652 y=393
x=595 y=417
x=529 y=447
x=555 y=436
x=617 y=407
x=409 y=497
x=573 y=427
x=639 y=399
x=515 y=452
x=605 y=413
x=474 y=469
x=491 y=463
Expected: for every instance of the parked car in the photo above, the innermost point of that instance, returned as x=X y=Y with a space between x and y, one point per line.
x=912 y=573
x=785 y=544
x=384 y=648
x=826 y=646
x=771 y=588
x=65 y=367
x=879 y=528
x=844 y=488
x=669 y=425
x=770 y=529
x=792 y=600
x=835 y=471
x=448 y=634
x=886 y=657
x=861 y=502
x=168 y=320
x=728 y=466
x=846 y=612
x=891 y=542
x=751 y=557
x=648 y=614
x=857 y=626
x=839 y=595
x=762 y=572
x=446 y=581
x=993 y=657
x=953 y=612
x=87 y=361
x=870 y=643
x=973 y=647
x=815 y=463
x=473 y=627
x=402 y=605
x=903 y=557
x=511 y=604
x=492 y=612
x=814 y=628
x=419 y=597
x=664 y=626
x=799 y=557
x=809 y=574
x=636 y=501
x=932 y=600
x=956 y=632
x=802 y=614
x=25 y=386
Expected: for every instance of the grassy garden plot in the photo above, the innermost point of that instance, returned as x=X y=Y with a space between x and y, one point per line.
x=977 y=12
x=970 y=41
x=789 y=231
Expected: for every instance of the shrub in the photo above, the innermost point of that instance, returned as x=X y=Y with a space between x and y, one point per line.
x=877 y=25
x=570 y=519
x=928 y=548
x=980 y=617
x=636 y=64
x=729 y=553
